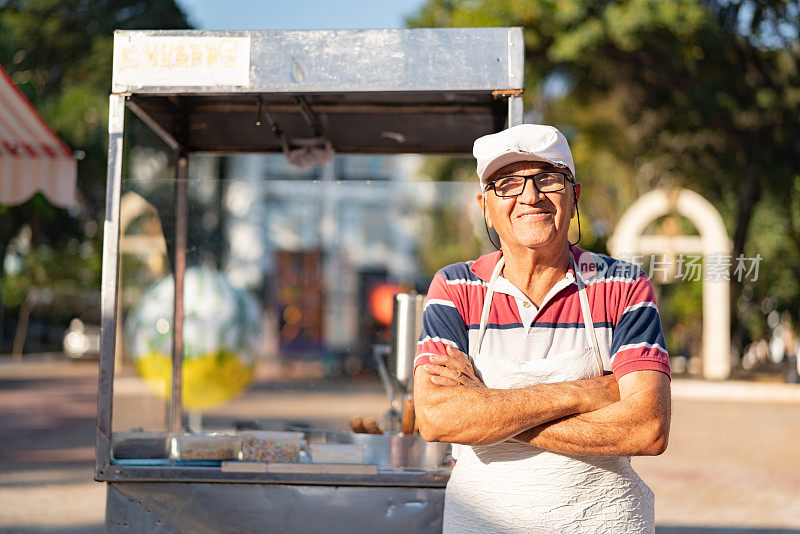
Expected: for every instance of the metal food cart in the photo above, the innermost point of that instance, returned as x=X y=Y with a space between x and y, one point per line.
x=306 y=94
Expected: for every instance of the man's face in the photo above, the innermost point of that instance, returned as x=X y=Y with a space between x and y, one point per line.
x=531 y=219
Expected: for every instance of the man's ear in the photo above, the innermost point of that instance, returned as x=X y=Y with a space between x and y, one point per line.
x=481 y=198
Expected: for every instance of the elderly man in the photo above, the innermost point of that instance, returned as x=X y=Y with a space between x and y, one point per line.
x=566 y=375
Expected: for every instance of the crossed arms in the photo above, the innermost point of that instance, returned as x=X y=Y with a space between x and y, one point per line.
x=595 y=416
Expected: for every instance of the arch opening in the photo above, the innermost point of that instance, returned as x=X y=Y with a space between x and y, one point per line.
x=631 y=239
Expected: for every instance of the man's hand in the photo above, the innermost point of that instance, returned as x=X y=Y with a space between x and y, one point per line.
x=453 y=404
x=453 y=369
x=636 y=425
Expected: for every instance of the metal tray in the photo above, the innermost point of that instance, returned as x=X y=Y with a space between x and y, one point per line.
x=206 y=446
x=389 y=451
x=140 y=445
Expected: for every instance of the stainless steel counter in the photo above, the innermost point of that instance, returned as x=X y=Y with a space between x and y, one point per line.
x=161 y=507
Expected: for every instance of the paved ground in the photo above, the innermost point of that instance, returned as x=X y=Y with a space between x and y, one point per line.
x=46 y=448
x=733 y=466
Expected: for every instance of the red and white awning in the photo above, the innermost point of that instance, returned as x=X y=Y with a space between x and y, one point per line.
x=32 y=157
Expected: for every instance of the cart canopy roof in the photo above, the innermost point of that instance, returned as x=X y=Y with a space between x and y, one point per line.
x=355 y=91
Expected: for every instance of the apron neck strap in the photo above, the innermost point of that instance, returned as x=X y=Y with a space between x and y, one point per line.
x=487 y=304
x=588 y=322
x=591 y=337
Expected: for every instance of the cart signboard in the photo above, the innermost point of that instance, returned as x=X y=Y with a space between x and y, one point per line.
x=176 y=61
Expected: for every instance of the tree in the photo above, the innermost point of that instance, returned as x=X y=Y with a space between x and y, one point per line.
x=690 y=93
x=59 y=53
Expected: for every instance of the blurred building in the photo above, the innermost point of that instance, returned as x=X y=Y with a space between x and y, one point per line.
x=315 y=242
x=310 y=244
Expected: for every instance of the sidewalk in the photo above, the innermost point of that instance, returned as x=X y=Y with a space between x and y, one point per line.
x=735 y=391
x=732 y=466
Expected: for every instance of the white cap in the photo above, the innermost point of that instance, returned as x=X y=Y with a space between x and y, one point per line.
x=524 y=142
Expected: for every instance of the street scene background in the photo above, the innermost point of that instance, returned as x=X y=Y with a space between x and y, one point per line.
x=299 y=266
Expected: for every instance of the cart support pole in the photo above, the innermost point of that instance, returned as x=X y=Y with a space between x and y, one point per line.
x=515 y=110
x=175 y=415
x=108 y=294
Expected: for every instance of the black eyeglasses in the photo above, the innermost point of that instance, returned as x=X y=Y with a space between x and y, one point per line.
x=514 y=184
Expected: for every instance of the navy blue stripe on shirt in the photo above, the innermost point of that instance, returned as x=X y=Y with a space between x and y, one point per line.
x=536 y=324
x=445 y=322
x=641 y=325
x=495 y=326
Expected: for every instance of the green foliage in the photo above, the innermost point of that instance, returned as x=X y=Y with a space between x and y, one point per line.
x=447 y=237
x=65 y=276
x=777 y=277
x=680 y=307
x=654 y=93
x=59 y=53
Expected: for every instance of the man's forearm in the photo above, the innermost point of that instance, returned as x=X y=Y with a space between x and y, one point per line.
x=637 y=425
x=476 y=416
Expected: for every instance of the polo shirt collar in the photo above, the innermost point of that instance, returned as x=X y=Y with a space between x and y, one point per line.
x=484 y=265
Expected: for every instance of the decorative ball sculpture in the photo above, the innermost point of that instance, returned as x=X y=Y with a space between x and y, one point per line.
x=221 y=333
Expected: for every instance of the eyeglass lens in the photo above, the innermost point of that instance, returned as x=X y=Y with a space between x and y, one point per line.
x=514 y=185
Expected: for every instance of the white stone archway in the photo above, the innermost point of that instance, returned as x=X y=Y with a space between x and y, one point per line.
x=713 y=242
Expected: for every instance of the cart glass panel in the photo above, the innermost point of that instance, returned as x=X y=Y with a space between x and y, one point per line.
x=289 y=295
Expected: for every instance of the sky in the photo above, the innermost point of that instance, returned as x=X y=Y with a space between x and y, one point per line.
x=298 y=14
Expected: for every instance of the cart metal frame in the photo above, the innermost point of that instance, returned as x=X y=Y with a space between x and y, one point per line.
x=426 y=91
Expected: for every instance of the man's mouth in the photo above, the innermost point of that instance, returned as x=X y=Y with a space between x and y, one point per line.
x=535 y=214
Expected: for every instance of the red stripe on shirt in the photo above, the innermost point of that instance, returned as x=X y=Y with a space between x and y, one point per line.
x=640 y=359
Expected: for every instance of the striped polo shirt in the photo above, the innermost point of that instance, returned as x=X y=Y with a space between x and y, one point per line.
x=621 y=298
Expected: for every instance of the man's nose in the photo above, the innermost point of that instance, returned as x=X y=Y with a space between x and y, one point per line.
x=530 y=194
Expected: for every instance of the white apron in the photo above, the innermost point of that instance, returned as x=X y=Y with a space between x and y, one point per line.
x=514 y=488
